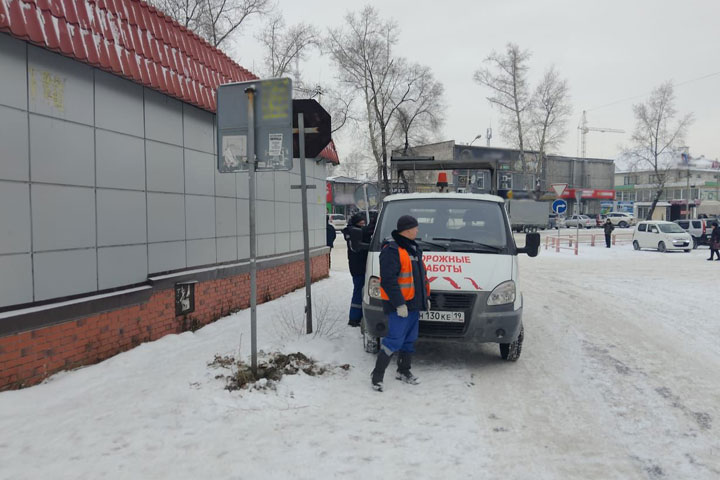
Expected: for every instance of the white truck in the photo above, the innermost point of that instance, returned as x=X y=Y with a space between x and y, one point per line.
x=528 y=215
x=472 y=266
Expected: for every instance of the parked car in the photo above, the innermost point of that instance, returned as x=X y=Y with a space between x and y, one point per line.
x=622 y=219
x=699 y=228
x=579 y=220
x=337 y=220
x=661 y=235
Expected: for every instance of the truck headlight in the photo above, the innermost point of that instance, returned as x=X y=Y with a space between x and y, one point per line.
x=374 y=287
x=502 y=294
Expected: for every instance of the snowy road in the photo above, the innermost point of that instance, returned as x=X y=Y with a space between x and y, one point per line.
x=618 y=379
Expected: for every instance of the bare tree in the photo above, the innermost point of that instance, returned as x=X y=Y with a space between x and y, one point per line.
x=362 y=52
x=657 y=134
x=355 y=165
x=505 y=74
x=422 y=114
x=286 y=46
x=185 y=12
x=214 y=20
x=549 y=113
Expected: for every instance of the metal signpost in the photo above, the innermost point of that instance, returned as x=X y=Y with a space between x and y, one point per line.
x=578 y=197
x=306 y=240
x=254 y=133
x=319 y=125
x=559 y=206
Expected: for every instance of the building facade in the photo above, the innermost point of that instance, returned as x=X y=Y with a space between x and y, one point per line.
x=111 y=204
x=592 y=178
x=696 y=185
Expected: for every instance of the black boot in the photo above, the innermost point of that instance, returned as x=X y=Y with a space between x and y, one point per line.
x=403 y=370
x=382 y=362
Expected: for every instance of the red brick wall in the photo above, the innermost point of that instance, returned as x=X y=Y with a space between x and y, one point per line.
x=29 y=357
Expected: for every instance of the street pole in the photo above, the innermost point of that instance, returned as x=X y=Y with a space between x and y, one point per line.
x=367 y=212
x=687 y=197
x=250 y=91
x=306 y=237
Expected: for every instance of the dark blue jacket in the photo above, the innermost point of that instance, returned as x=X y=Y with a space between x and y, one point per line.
x=390 y=268
x=357 y=260
x=330 y=234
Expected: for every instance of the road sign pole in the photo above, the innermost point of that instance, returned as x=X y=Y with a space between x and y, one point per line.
x=306 y=235
x=250 y=91
x=367 y=211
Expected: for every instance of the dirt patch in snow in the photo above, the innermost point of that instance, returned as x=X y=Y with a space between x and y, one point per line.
x=270 y=370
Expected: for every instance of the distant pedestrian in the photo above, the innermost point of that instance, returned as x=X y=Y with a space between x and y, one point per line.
x=356 y=261
x=715 y=241
x=330 y=237
x=405 y=291
x=608 y=228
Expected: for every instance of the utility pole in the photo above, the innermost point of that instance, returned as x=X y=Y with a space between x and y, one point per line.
x=685 y=156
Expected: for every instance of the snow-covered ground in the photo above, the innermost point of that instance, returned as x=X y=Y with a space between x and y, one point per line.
x=618 y=379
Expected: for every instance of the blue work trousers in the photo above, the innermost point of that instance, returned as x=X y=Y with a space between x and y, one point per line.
x=402 y=332
x=356 y=302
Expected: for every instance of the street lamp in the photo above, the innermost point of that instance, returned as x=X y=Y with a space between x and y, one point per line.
x=476 y=137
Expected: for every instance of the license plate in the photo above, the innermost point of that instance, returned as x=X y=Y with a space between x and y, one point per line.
x=434 y=316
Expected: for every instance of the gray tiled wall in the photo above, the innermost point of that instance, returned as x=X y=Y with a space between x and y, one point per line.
x=104 y=182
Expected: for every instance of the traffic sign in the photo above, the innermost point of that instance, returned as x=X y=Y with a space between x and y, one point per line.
x=559 y=188
x=273 y=123
x=315 y=117
x=559 y=206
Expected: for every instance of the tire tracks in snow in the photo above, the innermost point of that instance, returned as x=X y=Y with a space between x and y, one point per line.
x=656 y=427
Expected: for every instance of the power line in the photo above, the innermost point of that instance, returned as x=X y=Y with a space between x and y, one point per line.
x=648 y=93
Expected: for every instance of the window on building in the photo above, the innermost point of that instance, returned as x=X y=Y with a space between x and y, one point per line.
x=630 y=180
x=657 y=179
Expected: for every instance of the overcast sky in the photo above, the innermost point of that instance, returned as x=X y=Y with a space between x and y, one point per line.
x=608 y=50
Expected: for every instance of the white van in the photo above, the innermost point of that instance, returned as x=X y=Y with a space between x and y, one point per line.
x=471 y=261
x=662 y=236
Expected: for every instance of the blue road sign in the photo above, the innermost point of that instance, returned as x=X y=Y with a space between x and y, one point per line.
x=559 y=206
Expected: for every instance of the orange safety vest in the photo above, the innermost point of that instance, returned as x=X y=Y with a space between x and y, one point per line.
x=405 y=278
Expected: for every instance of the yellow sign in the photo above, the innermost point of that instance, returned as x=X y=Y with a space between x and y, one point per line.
x=274 y=99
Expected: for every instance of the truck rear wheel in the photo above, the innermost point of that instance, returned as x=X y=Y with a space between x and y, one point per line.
x=511 y=351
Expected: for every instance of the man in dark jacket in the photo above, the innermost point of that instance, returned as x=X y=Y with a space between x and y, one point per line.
x=356 y=262
x=715 y=241
x=330 y=237
x=405 y=292
x=608 y=227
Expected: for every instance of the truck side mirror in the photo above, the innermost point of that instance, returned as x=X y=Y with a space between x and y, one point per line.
x=356 y=239
x=532 y=244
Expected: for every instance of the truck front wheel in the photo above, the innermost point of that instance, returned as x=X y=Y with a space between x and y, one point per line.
x=370 y=344
x=511 y=351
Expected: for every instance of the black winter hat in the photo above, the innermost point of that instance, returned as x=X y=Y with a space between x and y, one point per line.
x=406 y=222
x=356 y=218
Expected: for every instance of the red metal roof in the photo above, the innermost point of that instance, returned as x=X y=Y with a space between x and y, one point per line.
x=127 y=38
x=330 y=154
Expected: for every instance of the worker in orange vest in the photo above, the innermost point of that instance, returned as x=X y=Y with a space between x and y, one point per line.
x=405 y=291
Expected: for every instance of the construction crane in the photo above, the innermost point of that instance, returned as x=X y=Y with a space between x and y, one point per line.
x=584 y=129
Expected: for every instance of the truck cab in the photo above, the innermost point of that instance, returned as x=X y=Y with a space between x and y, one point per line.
x=471 y=260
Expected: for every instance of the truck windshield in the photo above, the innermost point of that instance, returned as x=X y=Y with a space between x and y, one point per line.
x=450 y=224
